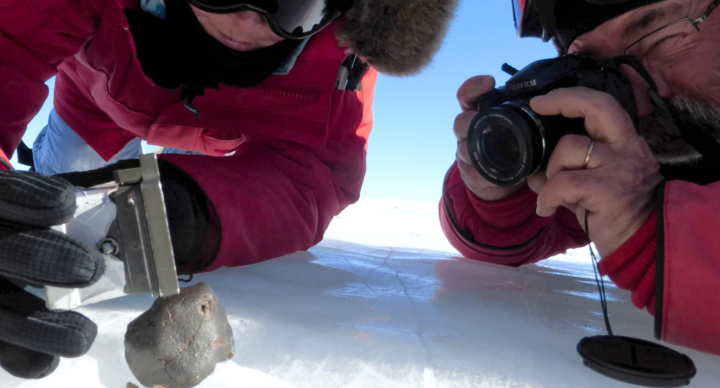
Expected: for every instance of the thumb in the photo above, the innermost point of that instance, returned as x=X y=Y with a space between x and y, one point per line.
x=25 y=363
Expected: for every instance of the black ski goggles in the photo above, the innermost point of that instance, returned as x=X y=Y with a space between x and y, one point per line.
x=567 y=19
x=290 y=19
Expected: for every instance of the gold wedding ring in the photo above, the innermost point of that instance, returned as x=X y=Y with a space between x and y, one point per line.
x=589 y=153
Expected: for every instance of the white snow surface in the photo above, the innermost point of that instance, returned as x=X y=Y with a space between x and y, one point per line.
x=384 y=301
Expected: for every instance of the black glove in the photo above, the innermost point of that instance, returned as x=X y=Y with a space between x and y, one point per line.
x=32 y=338
x=194 y=231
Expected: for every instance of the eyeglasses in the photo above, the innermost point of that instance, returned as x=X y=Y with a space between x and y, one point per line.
x=674 y=31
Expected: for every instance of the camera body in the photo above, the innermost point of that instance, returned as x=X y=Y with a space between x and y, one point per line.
x=507 y=141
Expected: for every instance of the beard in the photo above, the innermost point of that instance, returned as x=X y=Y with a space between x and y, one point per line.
x=663 y=136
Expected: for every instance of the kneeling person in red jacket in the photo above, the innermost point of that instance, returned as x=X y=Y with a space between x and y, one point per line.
x=652 y=199
x=275 y=96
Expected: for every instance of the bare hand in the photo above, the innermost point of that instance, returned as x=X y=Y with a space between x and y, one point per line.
x=468 y=96
x=618 y=184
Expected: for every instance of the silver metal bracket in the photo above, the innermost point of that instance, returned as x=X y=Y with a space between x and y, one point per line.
x=143 y=231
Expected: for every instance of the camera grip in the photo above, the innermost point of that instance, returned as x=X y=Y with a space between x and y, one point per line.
x=490 y=99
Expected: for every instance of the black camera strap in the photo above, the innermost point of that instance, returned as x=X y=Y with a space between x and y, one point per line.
x=628 y=359
x=696 y=136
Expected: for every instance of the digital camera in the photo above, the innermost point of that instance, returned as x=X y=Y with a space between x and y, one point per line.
x=507 y=141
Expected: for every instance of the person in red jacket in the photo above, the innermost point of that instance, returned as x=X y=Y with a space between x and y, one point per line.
x=275 y=96
x=652 y=200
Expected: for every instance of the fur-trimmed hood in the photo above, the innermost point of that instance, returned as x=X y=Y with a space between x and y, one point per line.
x=397 y=37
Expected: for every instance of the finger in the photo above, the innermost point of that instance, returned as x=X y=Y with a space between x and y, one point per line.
x=571 y=153
x=469 y=174
x=471 y=90
x=45 y=257
x=605 y=118
x=63 y=334
x=35 y=199
x=463 y=154
x=462 y=124
x=537 y=181
x=25 y=363
x=566 y=188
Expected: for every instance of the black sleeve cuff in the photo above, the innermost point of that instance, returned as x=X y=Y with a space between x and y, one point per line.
x=659 y=259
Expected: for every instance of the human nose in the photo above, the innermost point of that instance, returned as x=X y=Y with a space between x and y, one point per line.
x=247 y=21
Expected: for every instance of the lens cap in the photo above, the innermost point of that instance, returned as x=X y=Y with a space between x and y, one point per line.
x=636 y=361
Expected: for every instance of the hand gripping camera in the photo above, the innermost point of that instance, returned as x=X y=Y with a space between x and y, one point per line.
x=508 y=142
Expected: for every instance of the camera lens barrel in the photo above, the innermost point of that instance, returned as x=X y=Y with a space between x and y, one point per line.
x=507 y=143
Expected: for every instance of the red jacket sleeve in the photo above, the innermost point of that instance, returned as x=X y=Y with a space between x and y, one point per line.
x=672 y=266
x=505 y=232
x=35 y=37
x=687 y=309
x=632 y=266
x=275 y=197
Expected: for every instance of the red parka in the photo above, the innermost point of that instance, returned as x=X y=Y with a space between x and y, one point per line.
x=672 y=264
x=299 y=143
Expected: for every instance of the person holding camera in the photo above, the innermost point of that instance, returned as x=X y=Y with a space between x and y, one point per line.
x=276 y=96
x=642 y=174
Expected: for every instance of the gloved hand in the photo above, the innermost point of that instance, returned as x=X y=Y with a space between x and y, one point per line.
x=32 y=338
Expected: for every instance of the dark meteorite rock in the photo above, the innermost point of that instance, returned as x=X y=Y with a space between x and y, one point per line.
x=178 y=342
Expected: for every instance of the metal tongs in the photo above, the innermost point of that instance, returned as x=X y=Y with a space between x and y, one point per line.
x=126 y=220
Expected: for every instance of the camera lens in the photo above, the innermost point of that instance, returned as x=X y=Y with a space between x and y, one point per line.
x=506 y=143
x=500 y=147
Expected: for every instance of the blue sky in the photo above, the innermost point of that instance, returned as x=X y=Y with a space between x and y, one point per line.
x=412 y=144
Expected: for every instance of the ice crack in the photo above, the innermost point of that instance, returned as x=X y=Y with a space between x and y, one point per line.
x=428 y=372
